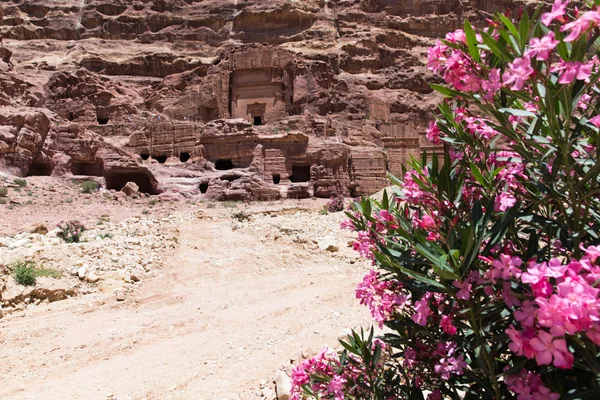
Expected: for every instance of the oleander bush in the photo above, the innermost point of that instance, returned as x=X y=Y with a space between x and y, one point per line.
x=70 y=231
x=486 y=257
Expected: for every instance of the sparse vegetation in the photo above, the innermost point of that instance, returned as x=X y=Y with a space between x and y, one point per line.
x=3 y=200
x=26 y=272
x=335 y=204
x=70 y=231
x=3 y=191
x=89 y=187
x=152 y=202
x=20 y=182
x=230 y=204
x=104 y=236
x=241 y=216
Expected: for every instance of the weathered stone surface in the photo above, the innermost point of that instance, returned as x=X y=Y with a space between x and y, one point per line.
x=130 y=189
x=222 y=99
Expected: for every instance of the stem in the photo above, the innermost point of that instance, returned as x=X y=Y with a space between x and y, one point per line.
x=484 y=352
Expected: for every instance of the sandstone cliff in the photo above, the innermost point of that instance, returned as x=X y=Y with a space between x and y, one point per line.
x=225 y=99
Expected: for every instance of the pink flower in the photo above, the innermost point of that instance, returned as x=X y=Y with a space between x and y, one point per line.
x=571 y=70
x=427 y=222
x=541 y=48
x=584 y=101
x=336 y=387
x=548 y=349
x=435 y=395
x=518 y=73
x=526 y=314
x=504 y=201
x=595 y=121
x=436 y=57
x=492 y=85
x=505 y=267
x=458 y=36
x=422 y=311
x=433 y=133
x=558 y=11
x=446 y=324
x=450 y=366
x=529 y=386
x=465 y=289
x=581 y=25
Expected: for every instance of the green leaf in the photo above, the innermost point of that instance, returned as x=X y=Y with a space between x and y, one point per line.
x=472 y=41
x=517 y=112
x=511 y=27
x=446 y=91
x=495 y=48
x=478 y=175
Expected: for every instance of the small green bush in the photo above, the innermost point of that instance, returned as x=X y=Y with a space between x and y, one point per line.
x=26 y=272
x=3 y=200
x=152 y=201
x=3 y=191
x=89 y=187
x=20 y=182
x=241 y=216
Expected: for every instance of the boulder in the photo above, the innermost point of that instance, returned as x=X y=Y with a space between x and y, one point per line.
x=283 y=386
x=130 y=189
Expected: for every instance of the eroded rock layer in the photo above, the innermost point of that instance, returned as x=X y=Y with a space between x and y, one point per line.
x=224 y=99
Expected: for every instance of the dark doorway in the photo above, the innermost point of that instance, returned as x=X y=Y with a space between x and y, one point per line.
x=145 y=156
x=300 y=173
x=183 y=157
x=39 y=169
x=258 y=121
x=276 y=179
x=116 y=180
x=203 y=187
x=160 y=159
x=87 y=168
x=224 y=165
x=70 y=116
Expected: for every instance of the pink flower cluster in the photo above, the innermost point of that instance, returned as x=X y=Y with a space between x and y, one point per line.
x=449 y=363
x=565 y=302
x=457 y=67
x=384 y=298
x=333 y=380
x=322 y=364
x=529 y=386
x=460 y=71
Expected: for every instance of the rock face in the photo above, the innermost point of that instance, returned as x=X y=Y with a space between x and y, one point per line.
x=222 y=99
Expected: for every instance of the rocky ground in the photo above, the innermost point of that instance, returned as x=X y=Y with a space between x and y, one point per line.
x=168 y=300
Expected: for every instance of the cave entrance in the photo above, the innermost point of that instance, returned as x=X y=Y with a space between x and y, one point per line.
x=224 y=164
x=184 y=157
x=161 y=159
x=203 y=187
x=39 y=169
x=258 y=121
x=102 y=116
x=300 y=173
x=209 y=113
x=70 y=116
x=87 y=168
x=145 y=156
x=276 y=178
x=117 y=179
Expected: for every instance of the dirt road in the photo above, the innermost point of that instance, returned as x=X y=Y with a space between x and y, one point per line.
x=224 y=315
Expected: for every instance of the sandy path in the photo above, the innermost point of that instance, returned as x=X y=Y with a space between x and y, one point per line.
x=222 y=317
